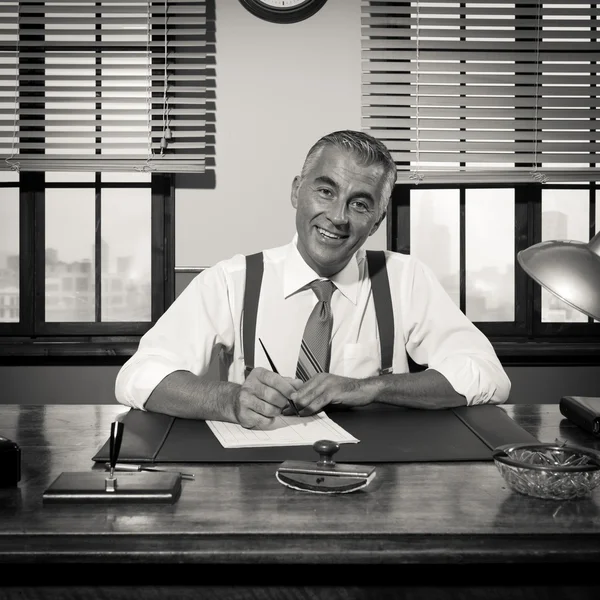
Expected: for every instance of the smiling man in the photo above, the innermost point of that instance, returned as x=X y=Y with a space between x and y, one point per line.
x=316 y=316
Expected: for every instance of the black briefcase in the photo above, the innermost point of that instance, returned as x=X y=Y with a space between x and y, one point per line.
x=583 y=411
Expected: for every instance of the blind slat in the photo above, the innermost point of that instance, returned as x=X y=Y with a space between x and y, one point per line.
x=83 y=92
x=429 y=91
x=455 y=10
x=435 y=56
x=129 y=113
x=508 y=158
x=91 y=6
x=133 y=56
x=485 y=134
x=476 y=112
x=374 y=123
x=477 y=66
x=515 y=81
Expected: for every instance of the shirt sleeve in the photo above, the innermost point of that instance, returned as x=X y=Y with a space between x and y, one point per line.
x=183 y=339
x=439 y=335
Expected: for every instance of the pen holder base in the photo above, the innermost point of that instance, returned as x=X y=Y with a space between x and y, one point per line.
x=91 y=487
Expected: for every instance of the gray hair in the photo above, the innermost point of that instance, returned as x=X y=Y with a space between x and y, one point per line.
x=365 y=148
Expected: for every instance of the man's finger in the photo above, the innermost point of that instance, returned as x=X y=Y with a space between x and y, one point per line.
x=277 y=389
x=254 y=412
x=296 y=383
x=308 y=390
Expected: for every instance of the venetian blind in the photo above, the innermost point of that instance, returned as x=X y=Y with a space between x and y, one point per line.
x=483 y=91
x=107 y=85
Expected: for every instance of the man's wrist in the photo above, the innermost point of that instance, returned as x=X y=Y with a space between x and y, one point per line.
x=370 y=389
x=231 y=406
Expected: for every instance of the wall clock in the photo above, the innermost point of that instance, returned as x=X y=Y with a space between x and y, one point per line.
x=283 y=11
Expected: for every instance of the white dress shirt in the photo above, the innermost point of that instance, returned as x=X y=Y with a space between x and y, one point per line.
x=206 y=318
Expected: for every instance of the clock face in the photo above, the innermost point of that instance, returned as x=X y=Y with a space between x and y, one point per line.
x=282 y=3
x=283 y=11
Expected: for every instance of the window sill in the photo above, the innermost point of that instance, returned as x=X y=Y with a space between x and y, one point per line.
x=548 y=353
x=26 y=351
x=116 y=351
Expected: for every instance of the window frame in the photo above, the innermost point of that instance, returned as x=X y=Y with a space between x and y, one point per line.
x=527 y=340
x=32 y=336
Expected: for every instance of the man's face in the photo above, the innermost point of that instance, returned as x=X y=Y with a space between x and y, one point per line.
x=337 y=208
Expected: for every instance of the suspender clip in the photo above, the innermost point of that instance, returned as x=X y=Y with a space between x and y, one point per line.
x=387 y=371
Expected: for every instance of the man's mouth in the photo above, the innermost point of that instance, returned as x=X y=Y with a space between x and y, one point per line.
x=329 y=235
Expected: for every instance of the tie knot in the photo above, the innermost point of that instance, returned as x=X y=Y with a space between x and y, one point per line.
x=323 y=289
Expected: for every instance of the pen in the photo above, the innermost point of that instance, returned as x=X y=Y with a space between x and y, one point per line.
x=274 y=369
x=116 y=436
x=131 y=467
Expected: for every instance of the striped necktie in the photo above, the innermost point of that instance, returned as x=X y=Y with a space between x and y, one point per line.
x=315 y=350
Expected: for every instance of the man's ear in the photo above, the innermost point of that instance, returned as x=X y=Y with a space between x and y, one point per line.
x=376 y=226
x=295 y=186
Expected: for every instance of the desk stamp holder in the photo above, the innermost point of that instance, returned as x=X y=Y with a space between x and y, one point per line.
x=325 y=476
x=108 y=488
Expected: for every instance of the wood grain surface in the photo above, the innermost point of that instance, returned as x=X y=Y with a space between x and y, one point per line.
x=420 y=522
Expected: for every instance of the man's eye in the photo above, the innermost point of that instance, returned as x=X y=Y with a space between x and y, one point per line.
x=360 y=206
x=325 y=192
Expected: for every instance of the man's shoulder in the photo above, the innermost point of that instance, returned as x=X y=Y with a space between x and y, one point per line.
x=237 y=262
x=393 y=259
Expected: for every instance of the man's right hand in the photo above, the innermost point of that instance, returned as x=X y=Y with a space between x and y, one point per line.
x=262 y=397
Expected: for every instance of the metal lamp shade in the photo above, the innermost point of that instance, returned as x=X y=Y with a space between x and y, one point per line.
x=568 y=269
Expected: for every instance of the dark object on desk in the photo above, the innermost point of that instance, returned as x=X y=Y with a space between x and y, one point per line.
x=386 y=434
x=114 y=443
x=90 y=487
x=324 y=476
x=98 y=487
x=133 y=468
x=583 y=411
x=10 y=463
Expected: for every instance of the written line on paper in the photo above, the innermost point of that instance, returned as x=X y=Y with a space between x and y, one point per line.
x=284 y=431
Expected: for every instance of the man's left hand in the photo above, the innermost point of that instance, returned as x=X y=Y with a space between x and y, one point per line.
x=325 y=388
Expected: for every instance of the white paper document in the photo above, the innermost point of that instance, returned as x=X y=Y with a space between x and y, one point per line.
x=284 y=431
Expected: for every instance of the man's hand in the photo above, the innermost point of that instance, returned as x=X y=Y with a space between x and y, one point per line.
x=262 y=397
x=325 y=388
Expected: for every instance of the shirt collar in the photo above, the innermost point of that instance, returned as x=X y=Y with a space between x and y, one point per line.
x=297 y=274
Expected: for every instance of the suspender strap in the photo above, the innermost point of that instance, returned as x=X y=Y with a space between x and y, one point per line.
x=382 y=298
x=254 y=274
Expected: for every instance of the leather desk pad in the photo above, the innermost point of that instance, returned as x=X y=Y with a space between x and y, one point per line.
x=386 y=434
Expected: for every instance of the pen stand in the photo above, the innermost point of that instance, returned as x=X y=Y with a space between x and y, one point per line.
x=325 y=476
x=98 y=486
x=112 y=487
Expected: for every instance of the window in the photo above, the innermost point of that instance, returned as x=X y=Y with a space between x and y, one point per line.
x=101 y=103
x=489 y=109
x=86 y=263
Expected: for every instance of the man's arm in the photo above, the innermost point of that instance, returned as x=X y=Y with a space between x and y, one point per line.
x=427 y=389
x=183 y=394
x=181 y=344
x=255 y=403
x=463 y=367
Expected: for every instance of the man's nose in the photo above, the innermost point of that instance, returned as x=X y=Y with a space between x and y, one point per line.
x=338 y=213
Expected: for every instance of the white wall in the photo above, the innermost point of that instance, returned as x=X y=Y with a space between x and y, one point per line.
x=279 y=88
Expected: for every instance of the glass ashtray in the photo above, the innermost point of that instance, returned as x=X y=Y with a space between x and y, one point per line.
x=550 y=471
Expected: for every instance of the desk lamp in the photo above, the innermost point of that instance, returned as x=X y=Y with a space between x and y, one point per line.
x=568 y=269
x=571 y=271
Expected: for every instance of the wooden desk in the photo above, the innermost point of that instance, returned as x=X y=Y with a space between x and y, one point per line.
x=417 y=523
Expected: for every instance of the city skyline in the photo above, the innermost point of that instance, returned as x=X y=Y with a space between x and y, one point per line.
x=490 y=258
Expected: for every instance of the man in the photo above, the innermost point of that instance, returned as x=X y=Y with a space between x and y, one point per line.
x=340 y=199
